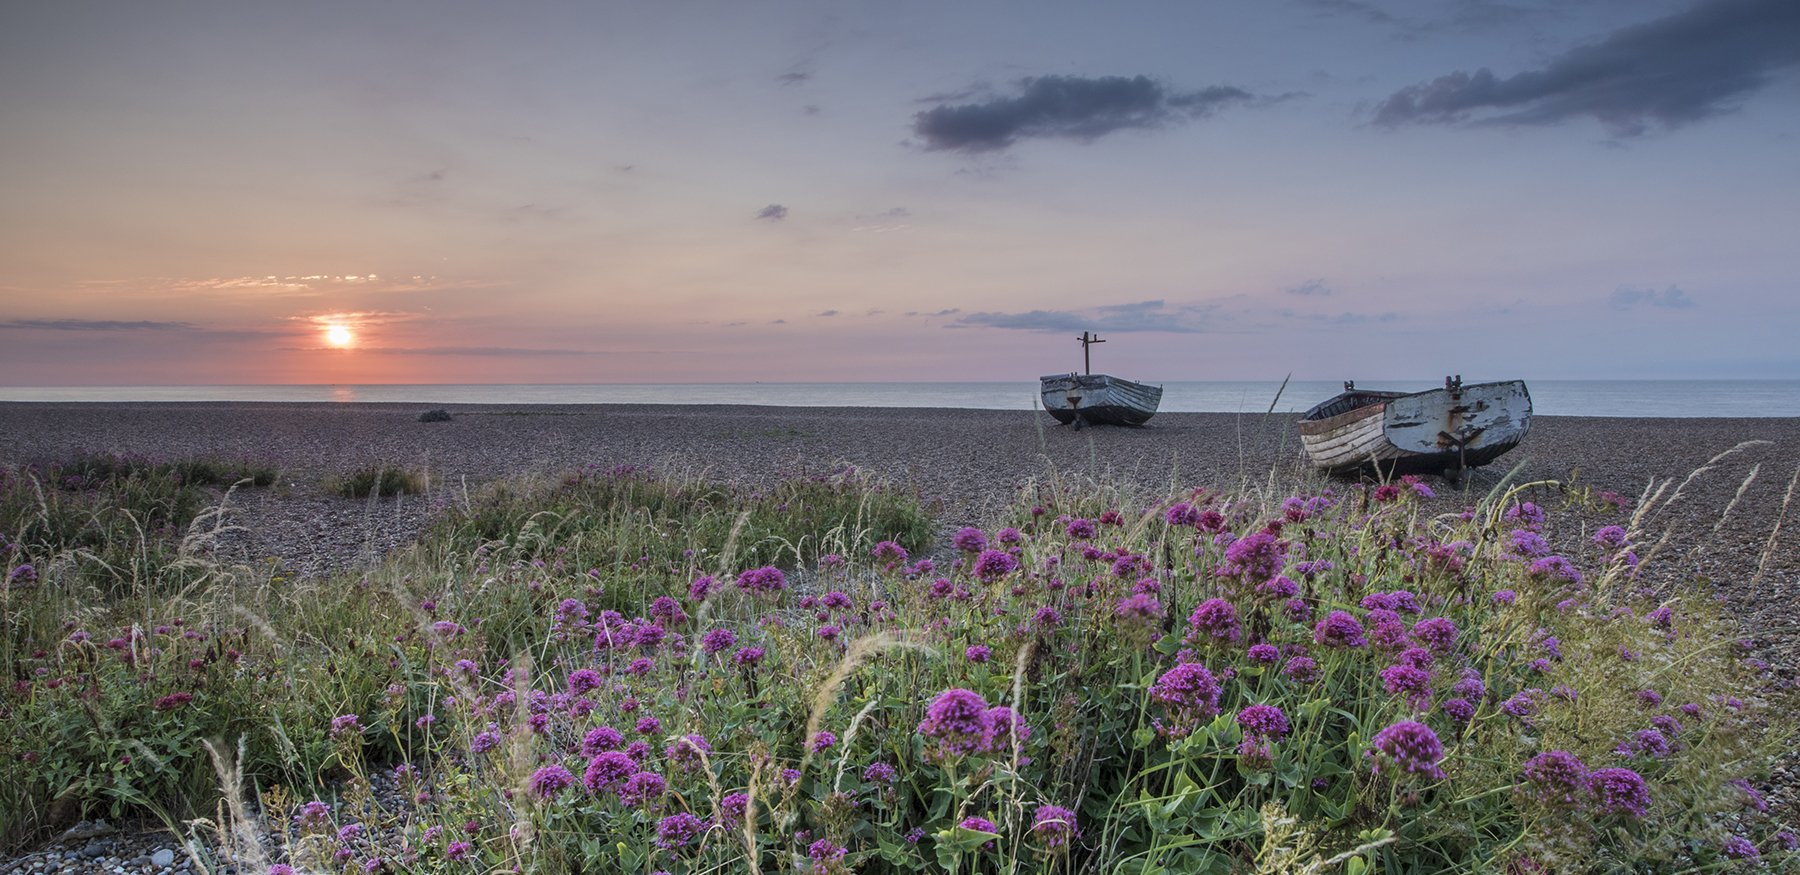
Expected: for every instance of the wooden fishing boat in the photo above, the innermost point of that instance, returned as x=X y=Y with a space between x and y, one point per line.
x=1097 y=399
x=1448 y=430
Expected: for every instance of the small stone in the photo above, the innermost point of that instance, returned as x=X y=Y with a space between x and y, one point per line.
x=162 y=858
x=96 y=848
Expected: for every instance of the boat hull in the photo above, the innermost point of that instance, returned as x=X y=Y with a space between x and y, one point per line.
x=1442 y=430
x=1098 y=399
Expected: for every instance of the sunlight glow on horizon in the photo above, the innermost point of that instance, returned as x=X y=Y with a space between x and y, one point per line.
x=339 y=336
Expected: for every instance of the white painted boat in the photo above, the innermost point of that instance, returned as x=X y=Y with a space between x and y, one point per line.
x=1098 y=399
x=1446 y=430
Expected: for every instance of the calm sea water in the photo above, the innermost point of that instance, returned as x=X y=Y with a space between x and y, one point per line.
x=1549 y=397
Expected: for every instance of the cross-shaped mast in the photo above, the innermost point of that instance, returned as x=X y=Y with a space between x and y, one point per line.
x=1087 y=363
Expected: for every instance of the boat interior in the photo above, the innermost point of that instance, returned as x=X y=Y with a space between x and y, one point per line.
x=1349 y=400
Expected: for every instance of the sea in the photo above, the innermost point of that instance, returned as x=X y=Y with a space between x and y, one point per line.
x=1636 y=398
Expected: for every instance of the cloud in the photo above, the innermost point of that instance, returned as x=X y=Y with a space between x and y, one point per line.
x=95 y=325
x=1671 y=71
x=1069 y=107
x=496 y=351
x=1671 y=298
x=1310 y=288
x=826 y=313
x=772 y=212
x=793 y=78
x=1119 y=318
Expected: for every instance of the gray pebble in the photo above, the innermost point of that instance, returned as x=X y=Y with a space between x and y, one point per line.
x=163 y=858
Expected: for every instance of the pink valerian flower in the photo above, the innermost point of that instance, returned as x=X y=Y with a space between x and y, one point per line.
x=1411 y=747
x=701 y=588
x=880 y=773
x=641 y=789
x=1527 y=543
x=822 y=741
x=582 y=680
x=1527 y=513
x=679 y=830
x=890 y=554
x=1081 y=529
x=992 y=565
x=456 y=852
x=717 y=640
x=345 y=724
x=1339 y=629
x=1399 y=601
x=1182 y=515
x=599 y=739
x=1459 y=709
x=1555 y=568
x=748 y=656
x=1277 y=587
x=1739 y=848
x=1256 y=753
x=969 y=540
x=1386 y=630
x=1255 y=557
x=1190 y=694
x=1619 y=791
x=1263 y=654
x=767 y=580
x=1214 y=621
x=687 y=751
x=980 y=824
x=608 y=771
x=1612 y=537
x=1418 y=487
x=1264 y=721
x=1301 y=669
x=1004 y=724
x=1556 y=778
x=978 y=653
x=1053 y=827
x=1406 y=680
x=550 y=780
x=173 y=701
x=1436 y=633
x=827 y=856
x=957 y=723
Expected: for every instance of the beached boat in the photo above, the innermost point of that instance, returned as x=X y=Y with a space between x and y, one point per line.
x=1097 y=399
x=1446 y=430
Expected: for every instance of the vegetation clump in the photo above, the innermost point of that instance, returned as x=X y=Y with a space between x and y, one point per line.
x=617 y=672
x=378 y=480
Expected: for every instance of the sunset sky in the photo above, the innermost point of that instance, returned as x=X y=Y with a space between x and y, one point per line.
x=572 y=192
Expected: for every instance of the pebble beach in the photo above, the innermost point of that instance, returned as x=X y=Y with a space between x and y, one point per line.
x=1731 y=528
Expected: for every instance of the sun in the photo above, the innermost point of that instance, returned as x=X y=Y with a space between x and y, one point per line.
x=339 y=335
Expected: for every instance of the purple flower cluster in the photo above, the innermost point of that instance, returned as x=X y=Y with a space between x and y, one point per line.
x=957 y=724
x=1191 y=695
x=969 y=540
x=1619 y=791
x=1266 y=721
x=1339 y=629
x=1214 y=621
x=1053 y=826
x=1255 y=557
x=992 y=565
x=767 y=580
x=1557 y=778
x=1411 y=747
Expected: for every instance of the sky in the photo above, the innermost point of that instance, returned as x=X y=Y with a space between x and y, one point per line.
x=622 y=192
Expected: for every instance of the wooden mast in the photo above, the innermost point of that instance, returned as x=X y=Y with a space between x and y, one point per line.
x=1087 y=362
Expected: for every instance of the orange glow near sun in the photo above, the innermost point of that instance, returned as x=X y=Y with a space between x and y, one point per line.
x=339 y=335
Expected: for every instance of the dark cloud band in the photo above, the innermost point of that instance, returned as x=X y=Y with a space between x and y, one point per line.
x=1671 y=71
x=1069 y=107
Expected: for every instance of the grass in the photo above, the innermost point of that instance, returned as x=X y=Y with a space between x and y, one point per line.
x=378 y=480
x=812 y=723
